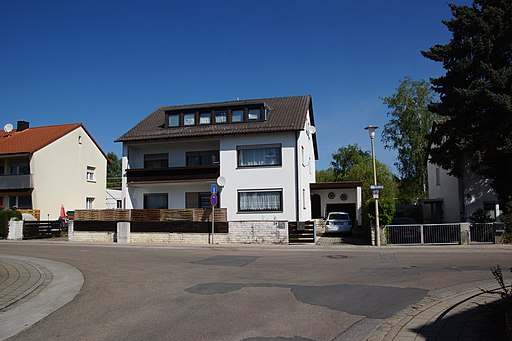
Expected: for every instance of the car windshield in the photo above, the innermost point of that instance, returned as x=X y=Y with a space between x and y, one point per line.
x=339 y=216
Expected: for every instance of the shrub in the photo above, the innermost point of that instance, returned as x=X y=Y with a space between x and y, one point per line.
x=507 y=220
x=5 y=216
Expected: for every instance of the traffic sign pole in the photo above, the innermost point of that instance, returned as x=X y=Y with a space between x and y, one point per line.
x=213 y=202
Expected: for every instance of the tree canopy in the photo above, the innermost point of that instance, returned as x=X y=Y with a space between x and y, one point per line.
x=114 y=171
x=476 y=94
x=407 y=133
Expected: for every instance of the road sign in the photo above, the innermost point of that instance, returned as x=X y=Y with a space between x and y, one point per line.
x=213 y=189
x=213 y=200
x=376 y=187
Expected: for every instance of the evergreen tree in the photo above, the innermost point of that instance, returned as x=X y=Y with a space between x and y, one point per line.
x=476 y=94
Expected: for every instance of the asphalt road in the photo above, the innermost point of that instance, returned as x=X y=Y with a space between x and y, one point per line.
x=247 y=293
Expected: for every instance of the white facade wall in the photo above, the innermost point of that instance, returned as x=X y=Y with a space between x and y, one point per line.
x=353 y=197
x=293 y=177
x=445 y=187
x=282 y=177
x=59 y=175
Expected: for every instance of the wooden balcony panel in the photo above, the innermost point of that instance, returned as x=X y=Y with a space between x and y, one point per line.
x=173 y=174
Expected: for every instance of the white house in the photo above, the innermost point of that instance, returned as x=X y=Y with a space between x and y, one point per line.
x=453 y=199
x=43 y=168
x=263 y=149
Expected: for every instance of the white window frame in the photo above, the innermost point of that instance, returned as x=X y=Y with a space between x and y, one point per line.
x=259 y=191
x=89 y=203
x=242 y=149
x=91 y=174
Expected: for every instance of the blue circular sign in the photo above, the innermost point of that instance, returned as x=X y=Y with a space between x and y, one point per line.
x=213 y=199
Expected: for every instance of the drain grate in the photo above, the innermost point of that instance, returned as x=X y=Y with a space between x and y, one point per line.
x=337 y=256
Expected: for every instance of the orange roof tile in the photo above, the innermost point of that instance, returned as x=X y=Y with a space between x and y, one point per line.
x=31 y=140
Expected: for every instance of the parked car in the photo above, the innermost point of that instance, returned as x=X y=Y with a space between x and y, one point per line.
x=338 y=222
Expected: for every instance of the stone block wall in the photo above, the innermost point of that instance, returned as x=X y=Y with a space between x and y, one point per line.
x=258 y=232
x=90 y=236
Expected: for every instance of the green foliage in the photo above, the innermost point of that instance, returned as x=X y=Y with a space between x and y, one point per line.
x=325 y=175
x=350 y=163
x=507 y=235
x=406 y=132
x=5 y=216
x=475 y=94
x=346 y=158
x=114 y=171
x=480 y=216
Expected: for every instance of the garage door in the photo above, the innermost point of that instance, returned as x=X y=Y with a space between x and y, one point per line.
x=349 y=208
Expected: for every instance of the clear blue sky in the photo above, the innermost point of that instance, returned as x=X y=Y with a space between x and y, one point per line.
x=108 y=64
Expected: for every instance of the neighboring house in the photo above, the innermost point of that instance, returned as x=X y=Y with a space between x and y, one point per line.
x=453 y=199
x=43 y=168
x=264 y=149
x=114 y=198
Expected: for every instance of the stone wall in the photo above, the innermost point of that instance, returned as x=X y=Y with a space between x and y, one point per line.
x=246 y=232
x=258 y=232
x=89 y=236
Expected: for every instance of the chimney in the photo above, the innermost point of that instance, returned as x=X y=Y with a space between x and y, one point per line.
x=22 y=125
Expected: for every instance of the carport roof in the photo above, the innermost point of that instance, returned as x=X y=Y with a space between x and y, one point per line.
x=335 y=185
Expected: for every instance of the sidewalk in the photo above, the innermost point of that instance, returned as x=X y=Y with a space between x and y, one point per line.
x=454 y=314
x=31 y=289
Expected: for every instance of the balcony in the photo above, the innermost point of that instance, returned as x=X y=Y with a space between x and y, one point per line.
x=16 y=182
x=210 y=172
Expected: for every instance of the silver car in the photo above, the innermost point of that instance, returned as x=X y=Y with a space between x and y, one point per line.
x=338 y=222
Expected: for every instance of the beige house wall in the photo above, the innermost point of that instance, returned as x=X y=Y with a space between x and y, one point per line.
x=59 y=174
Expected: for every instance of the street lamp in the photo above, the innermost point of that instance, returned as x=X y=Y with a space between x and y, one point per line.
x=371 y=131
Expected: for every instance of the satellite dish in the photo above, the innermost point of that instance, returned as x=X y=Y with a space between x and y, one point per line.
x=311 y=130
x=8 y=128
x=221 y=181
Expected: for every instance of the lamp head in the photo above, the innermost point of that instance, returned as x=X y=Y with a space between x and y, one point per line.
x=371 y=130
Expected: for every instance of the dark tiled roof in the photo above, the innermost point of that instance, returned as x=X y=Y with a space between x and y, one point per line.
x=286 y=114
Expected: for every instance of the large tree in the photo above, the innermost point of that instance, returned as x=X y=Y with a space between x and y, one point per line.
x=114 y=171
x=476 y=94
x=406 y=132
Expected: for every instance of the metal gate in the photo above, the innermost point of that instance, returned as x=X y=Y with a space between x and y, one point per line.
x=482 y=233
x=423 y=234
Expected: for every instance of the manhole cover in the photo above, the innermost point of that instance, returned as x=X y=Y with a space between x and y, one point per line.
x=337 y=256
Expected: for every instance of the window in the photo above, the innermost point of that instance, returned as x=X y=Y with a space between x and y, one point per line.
x=80 y=139
x=221 y=117
x=20 y=201
x=303 y=199
x=119 y=204
x=303 y=155
x=174 y=120
x=156 y=160
x=237 y=116
x=90 y=174
x=203 y=158
x=197 y=200
x=254 y=114
x=438 y=176
x=155 y=201
x=19 y=167
x=2 y=169
x=250 y=201
x=1 y=203
x=205 y=118
x=189 y=119
x=89 y=203
x=259 y=156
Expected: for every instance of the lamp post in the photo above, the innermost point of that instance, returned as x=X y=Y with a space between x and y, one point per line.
x=371 y=131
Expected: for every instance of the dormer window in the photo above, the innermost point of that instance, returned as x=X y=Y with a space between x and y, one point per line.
x=237 y=116
x=254 y=114
x=174 y=120
x=221 y=116
x=189 y=119
x=205 y=118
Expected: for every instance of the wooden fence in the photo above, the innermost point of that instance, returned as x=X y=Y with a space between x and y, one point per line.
x=41 y=229
x=192 y=220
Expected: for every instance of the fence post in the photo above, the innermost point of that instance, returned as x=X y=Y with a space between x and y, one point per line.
x=15 y=230
x=422 y=235
x=465 y=234
x=123 y=232
x=71 y=230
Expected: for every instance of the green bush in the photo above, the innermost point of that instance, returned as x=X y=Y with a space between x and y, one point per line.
x=507 y=220
x=5 y=216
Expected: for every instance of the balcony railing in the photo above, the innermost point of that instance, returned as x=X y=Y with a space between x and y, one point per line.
x=210 y=172
x=16 y=182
